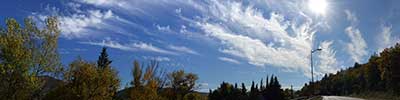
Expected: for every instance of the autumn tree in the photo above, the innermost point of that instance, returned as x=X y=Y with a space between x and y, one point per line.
x=26 y=53
x=182 y=83
x=88 y=81
x=146 y=83
x=380 y=74
x=194 y=96
x=373 y=74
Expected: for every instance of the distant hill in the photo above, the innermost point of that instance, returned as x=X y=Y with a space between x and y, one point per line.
x=49 y=84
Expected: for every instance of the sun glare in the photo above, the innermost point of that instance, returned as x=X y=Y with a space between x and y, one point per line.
x=318 y=6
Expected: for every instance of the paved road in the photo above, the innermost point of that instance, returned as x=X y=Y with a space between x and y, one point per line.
x=339 y=98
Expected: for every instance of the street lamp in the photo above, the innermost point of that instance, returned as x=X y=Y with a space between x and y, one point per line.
x=312 y=68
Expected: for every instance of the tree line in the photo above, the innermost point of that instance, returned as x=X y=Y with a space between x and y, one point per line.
x=30 y=69
x=380 y=74
x=271 y=90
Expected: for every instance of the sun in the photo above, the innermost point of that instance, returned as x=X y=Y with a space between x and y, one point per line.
x=318 y=6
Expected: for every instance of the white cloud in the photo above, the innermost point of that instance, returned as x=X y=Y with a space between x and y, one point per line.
x=203 y=84
x=163 y=28
x=77 y=25
x=245 y=32
x=157 y=58
x=203 y=87
x=104 y=2
x=385 y=38
x=256 y=52
x=327 y=60
x=178 y=11
x=150 y=47
x=229 y=60
x=131 y=46
x=386 y=35
x=351 y=17
x=82 y=22
x=183 y=49
x=79 y=49
x=357 y=45
x=111 y=44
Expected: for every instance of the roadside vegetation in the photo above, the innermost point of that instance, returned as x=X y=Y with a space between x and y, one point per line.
x=378 y=78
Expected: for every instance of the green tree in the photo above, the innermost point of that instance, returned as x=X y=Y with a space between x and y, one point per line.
x=373 y=74
x=103 y=61
x=107 y=81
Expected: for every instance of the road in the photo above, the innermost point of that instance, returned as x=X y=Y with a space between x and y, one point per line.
x=339 y=98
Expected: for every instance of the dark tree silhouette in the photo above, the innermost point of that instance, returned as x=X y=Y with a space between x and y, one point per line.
x=103 y=60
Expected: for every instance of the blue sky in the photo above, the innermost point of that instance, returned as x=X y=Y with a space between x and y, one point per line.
x=220 y=40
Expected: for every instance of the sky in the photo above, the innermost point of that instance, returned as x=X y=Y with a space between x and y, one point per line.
x=233 y=41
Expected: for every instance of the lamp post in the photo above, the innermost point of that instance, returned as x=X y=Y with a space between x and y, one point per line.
x=312 y=67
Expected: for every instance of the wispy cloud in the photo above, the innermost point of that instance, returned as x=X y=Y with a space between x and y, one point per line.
x=351 y=17
x=328 y=62
x=282 y=39
x=157 y=58
x=385 y=38
x=131 y=46
x=77 y=25
x=119 y=3
x=245 y=32
x=357 y=45
x=163 y=28
x=226 y=59
x=81 y=22
x=203 y=87
x=183 y=49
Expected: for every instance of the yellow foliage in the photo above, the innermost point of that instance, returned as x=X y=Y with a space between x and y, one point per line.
x=26 y=53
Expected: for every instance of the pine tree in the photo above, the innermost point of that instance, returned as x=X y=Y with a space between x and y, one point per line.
x=236 y=86
x=253 y=92
x=271 y=80
x=244 y=90
x=236 y=92
x=210 y=94
x=103 y=60
x=261 y=84
x=266 y=82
